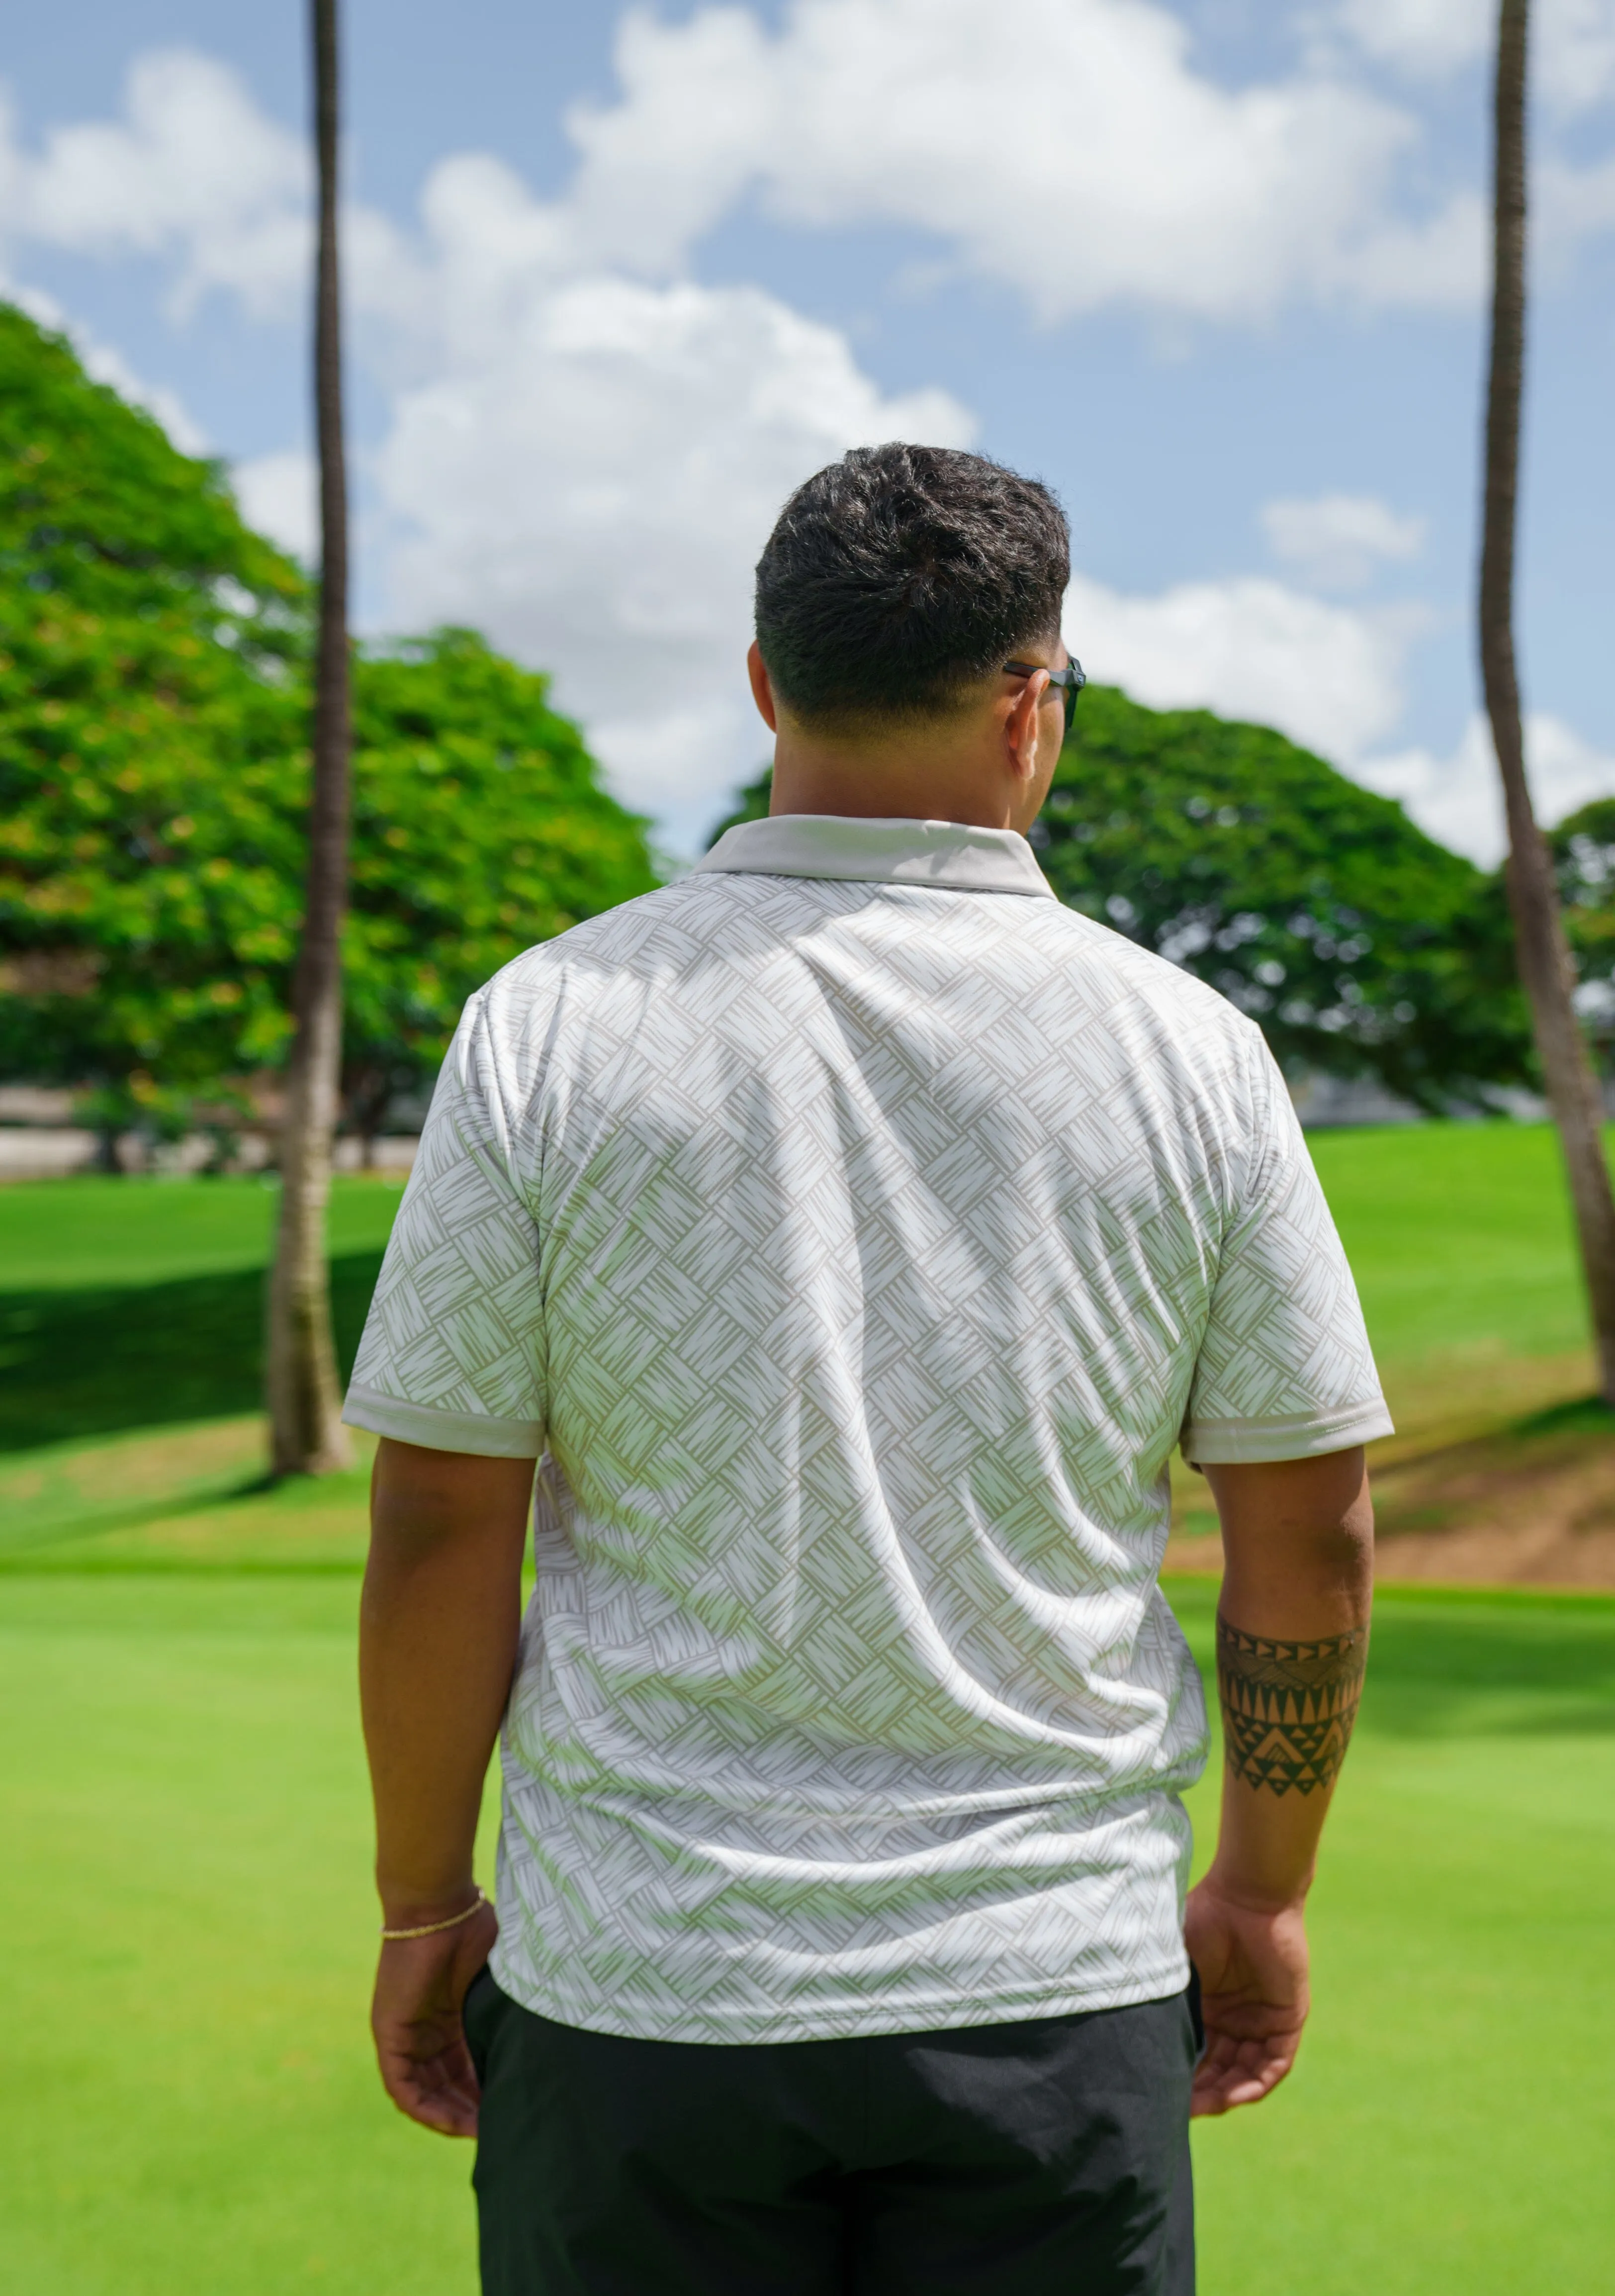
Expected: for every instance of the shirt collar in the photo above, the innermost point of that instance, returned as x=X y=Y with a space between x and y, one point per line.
x=881 y=852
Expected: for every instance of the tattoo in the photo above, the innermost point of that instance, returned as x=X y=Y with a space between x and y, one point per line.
x=1287 y=1708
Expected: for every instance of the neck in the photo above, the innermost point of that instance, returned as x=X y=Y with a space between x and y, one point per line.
x=911 y=779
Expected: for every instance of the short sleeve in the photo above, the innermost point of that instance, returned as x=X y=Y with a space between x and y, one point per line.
x=452 y=1355
x=1284 y=1370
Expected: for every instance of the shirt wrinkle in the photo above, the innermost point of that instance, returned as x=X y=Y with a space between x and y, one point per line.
x=855 y=1246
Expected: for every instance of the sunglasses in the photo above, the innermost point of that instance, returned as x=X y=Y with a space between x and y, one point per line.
x=1073 y=677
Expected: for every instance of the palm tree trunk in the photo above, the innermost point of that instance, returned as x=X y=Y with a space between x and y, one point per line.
x=1545 y=958
x=304 y=1395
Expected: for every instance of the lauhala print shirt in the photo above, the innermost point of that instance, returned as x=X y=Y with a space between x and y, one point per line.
x=851 y=1231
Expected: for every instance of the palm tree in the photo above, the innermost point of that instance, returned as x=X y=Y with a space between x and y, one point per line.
x=1545 y=958
x=304 y=1397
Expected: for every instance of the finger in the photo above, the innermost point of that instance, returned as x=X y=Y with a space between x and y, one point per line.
x=438 y=2072
x=442 y=2116
x=1235 y=2088
x=450 y=2110
x=1244 y=2078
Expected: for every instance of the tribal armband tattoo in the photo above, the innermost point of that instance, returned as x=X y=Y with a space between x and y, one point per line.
x=1287 y=1708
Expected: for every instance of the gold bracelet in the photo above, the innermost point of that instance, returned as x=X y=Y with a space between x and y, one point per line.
x=431 y=1928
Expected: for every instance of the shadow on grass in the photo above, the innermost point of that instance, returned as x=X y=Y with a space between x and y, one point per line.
x=79 y=1363
x=1486 y=1664
x=1588 y=1415
x=1546 y=1668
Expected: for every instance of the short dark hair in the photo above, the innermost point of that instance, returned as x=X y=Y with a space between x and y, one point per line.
x=899 y=576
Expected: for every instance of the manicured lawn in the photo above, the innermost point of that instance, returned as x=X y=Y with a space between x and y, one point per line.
x=185 y=1917
x=128 y=1304
x=186 y=1922
x=139 y=1303
x=1450 y=2123
x=184 y=1902
x=91 y=1234
x=1461 y=1240
x=131 y=1317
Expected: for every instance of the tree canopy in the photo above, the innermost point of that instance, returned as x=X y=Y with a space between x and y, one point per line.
x=148 y=651
x=480 y=827
x=1361 y=946
x=1583 y=846
x=154 y=773
x=154 y=788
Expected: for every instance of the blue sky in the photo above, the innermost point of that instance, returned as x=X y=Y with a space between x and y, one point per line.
x=618 y=279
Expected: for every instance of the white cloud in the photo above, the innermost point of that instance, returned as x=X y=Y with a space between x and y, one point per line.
x=1573 y=41
x=1572 y=69
x=279 y=495
x=1576 y=44
x=1148 y=183
x=1457 y=798
x=1422 y=37
x=594 y=489
x=1335 y=541
x=194 y=170
x=1328 y=676
x=1439 y=263
x=582 y=463
x=585 y=449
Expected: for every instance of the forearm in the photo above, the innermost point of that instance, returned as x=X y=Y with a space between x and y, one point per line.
x=438 y=1628
x=1292 y=1634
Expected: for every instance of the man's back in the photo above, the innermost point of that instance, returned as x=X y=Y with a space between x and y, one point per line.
x=857 y=1247
x=839 y=1241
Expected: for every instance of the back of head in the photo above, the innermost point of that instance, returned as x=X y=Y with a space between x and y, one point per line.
x=900 y=577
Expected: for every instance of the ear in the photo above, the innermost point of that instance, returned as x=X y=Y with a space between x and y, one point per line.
x=1024 y=731
x=762 y=689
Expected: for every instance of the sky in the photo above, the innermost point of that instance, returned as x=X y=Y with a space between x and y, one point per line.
x=618 y=279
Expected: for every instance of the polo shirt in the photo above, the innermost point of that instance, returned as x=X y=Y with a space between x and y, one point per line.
x=850 y=1231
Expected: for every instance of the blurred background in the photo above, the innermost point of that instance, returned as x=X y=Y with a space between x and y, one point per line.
x=616 y=281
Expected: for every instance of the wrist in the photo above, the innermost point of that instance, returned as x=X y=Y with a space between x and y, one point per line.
x=408 y=1905
x=1255 y=1894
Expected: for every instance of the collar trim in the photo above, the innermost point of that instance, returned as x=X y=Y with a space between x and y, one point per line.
x=881 y=852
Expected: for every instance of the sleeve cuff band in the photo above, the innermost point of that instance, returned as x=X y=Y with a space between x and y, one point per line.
x=1310 y=1435
x=442 y=1431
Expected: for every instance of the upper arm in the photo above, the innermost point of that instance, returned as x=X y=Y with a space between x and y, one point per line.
x=454 y=1355
x=420 y=1493
x=1293 y=1526
x=1284 y=1372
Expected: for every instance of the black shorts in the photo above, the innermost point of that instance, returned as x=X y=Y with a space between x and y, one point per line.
x=1044 y=2159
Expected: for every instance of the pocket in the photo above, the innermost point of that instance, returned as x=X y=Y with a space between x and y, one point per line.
x=1196 y=2014
x=480 y=2017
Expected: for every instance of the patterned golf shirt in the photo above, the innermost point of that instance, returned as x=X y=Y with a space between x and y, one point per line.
x=852 y=1230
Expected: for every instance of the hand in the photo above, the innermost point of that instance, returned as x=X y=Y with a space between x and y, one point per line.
x=1254 y=1995
x=420 y=1984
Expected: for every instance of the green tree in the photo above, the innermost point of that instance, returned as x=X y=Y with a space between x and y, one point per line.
x=154 y=784
x=1583 y=848
x=149 y=653
x=1361 y=946
x=480 y=827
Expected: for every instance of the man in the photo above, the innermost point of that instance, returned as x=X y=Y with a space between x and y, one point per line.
x=849 y=1232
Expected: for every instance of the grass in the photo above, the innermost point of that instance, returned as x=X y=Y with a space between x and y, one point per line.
x=139 y=1304
x=190 y=2101
x=91 y=1234
x=1460 y=1241
x=1460 y=1238
x=1450 y=2122
x=131 y=1323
